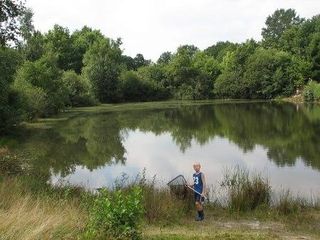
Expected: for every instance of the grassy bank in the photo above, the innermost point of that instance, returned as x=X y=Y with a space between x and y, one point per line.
x=30 y=209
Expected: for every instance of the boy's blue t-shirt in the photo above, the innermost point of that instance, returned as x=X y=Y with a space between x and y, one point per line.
x=197 y=181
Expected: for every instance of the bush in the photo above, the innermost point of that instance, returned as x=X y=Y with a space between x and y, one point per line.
x=42 y=78
x=230 y=85
x=311 y=92
x=246 y=192
x=116 y=215
x=77 y=89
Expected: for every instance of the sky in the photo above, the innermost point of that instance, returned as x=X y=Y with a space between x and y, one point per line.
x=152 y=27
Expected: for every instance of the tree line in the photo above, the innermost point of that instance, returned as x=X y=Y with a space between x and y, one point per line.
x=44 y=73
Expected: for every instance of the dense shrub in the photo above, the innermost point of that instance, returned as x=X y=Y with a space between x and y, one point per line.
x=311 y=92
x=78 y=90
x=116 y=215
x=41 y=85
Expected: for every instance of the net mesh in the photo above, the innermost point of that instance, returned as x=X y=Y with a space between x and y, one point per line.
x=178 y=186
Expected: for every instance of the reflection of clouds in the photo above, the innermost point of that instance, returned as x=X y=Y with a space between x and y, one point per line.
x=161 y=157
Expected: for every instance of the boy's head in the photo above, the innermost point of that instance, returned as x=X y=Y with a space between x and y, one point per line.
x=196 y=166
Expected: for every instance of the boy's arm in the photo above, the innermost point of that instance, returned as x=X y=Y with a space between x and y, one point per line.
x=204 y=188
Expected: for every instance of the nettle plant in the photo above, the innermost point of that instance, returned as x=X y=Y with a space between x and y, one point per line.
x=116 y=214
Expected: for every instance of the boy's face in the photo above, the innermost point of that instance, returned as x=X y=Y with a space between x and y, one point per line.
x=196 y=167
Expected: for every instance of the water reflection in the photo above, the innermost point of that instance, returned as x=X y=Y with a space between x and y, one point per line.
x=280 y=140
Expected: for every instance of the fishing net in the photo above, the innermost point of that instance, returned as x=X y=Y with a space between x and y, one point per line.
x=178 y=187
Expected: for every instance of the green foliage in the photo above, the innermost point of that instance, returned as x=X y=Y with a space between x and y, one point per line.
x=231 y=82
x=140 y=61
x=191 y=73
x=270 y=73
x=10 y=11
x=41 y=85
x=102 y=67
x=314 y=51
x=82 y=40
x=276 y=24
x=34 y=49
x=132 y=88
x=27 y=28
x=311 y=92
x=58 y=41
x=164 y=58
x=78 y=89
x=220 y=49
x=229 y=85
x=116 y=215
x=10 y=101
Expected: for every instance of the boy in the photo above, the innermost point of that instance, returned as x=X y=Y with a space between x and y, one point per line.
x=199 y=185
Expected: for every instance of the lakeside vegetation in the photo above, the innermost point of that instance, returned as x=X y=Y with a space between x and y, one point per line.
x=44 y=73
x=138 y=209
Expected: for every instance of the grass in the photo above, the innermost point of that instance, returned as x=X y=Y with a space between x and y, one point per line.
x=24 y=215
x=61 y=214
x=33 y=209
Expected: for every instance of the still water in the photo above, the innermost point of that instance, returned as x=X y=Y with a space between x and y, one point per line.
x=92 y=149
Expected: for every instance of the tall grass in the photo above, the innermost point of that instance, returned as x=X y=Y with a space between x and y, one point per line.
x=245 y=192
x=26 y=216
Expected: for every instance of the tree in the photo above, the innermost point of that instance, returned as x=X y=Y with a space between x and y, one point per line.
x=164 y=58
x=40 y=84
x=180 y=69
x=102 y=67
x=10 y=102
x=271 y=73
x=220 y=49
x=34 y=48
x=78 y=89
x=139 y=61
x=314 y=51
x=10 y=11
x=209 y=70
x=58 y=41
x=277 y=23
x=27 y=28
x=128 y=62
x=230 y=84
x=132 y=88
x=81 y=41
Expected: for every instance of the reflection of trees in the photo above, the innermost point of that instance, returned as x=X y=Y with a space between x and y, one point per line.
x=97 y=139
x=286 y=133
x=87 y=141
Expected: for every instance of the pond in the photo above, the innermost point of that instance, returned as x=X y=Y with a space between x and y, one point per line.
x=95 y=146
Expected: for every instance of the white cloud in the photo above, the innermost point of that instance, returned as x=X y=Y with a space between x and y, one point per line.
x=151 y=27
